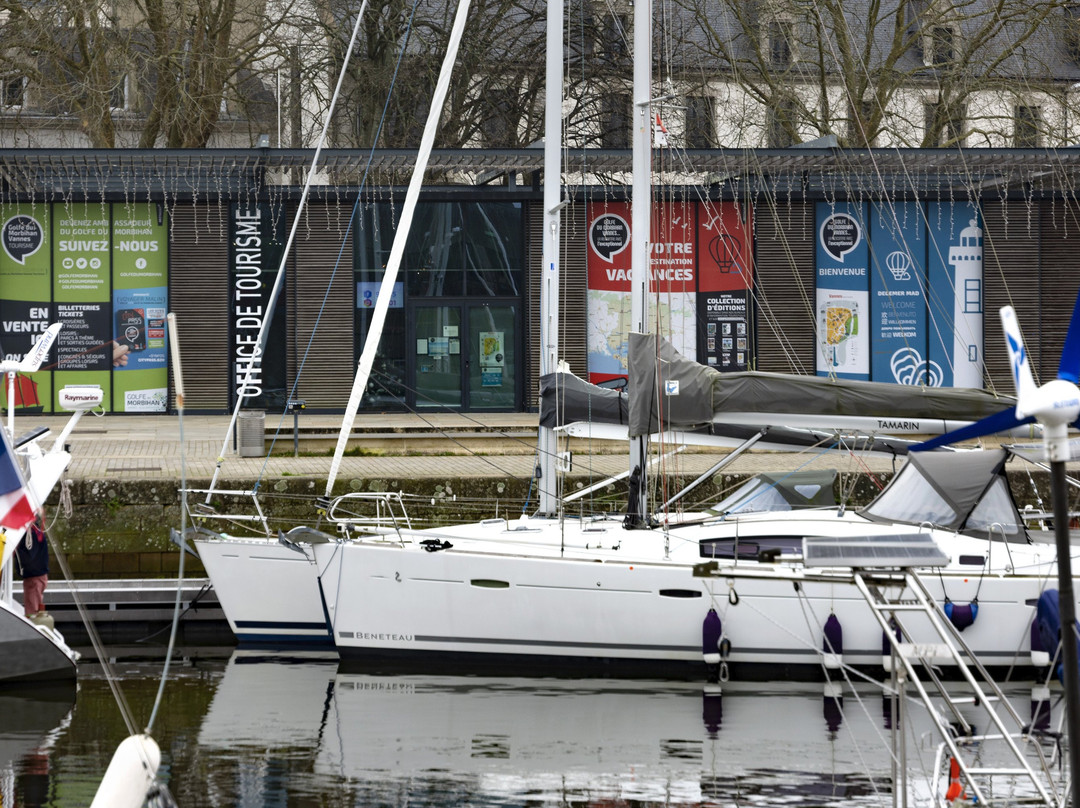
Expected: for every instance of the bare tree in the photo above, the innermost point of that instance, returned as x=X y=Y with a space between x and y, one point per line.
x=498 y=78
x=864 y=71
x=144 y=72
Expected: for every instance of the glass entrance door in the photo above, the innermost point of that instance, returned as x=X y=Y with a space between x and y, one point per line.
x=492 y=357
x=438 y=357
x=465 y=356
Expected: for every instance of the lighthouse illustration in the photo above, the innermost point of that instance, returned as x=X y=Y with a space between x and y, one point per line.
x=967 y=262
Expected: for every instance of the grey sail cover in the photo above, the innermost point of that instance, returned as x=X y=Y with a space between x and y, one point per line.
x=669 y=391
x=566 y=398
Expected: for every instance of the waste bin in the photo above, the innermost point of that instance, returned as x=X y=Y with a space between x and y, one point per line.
x=251 y=433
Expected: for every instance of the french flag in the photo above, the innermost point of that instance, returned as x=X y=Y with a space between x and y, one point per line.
x=16 y=512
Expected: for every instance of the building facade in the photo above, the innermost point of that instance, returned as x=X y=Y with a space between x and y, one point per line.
x=796 y=261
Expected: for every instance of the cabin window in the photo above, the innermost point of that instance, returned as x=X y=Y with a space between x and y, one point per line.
x=910 y=498
x=749 y=547
x=995 y=514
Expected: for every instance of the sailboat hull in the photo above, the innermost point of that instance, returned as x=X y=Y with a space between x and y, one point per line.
x=614 y=602
x=268 y=592
x=30 y=653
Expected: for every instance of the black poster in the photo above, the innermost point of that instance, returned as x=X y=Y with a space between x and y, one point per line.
x=256 y=245
x=724 y=318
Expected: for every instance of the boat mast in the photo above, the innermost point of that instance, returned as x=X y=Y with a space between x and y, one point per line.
x=547 y=481
x=255 y=361
x=640 y=228
x=397 y=249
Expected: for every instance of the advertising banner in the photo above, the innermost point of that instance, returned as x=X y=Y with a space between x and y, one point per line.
x=140 y=302
x=672 y=282
x=82 y=295
x=955 y=269
x=25 y=310
x=725 y=283
x=256 y=245
x=842 y=260
x=897 y=295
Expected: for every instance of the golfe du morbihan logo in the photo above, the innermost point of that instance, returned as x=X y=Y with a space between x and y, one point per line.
x=609 y=235
x=908 y=367
x=840 y=234
x=21 y=236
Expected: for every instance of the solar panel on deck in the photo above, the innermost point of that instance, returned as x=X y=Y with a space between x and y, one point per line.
x=894 y=550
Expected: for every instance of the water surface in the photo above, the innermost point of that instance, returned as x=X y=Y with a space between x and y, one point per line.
x=254 y=730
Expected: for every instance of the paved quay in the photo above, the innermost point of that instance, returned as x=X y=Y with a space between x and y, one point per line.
x=391 y=445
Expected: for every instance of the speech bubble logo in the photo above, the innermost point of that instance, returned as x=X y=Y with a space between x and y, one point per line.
x=21 y=236
x=840 y=234
x=609 y=235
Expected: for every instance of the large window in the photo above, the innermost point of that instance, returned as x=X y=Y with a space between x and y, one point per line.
x=463 y=251
x=781 y=36
x=1027 y=124
x=944 y=124
x=780 y=123
x=615 y=118
x=12 y=91
x=940 y=47
x=700 y=126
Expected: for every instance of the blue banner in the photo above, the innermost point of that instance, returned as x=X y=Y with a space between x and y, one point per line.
x=955 y=271
x=897 y=294
x=842 y=261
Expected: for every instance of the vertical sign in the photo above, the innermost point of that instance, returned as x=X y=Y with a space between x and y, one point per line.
x=256 y=246
x=672 y=284
x=955 y=267
x=86 y=351
x=725 y=281
x=24 y=308
x=842 y=291
x=140 y=302
x=897 y=299
x=608 y=265
x=492 y=358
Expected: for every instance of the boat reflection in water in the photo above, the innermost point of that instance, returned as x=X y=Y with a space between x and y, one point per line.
x=440 y=741
x=31 y=719
x=592 y=742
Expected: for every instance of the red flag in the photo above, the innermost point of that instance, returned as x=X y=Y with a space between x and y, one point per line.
x=660 y=134
x=16 y=512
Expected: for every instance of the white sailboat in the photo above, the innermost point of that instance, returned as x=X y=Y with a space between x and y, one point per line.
x=269 y=590
x=594 y=593
x=591 y=591
x=32 y=651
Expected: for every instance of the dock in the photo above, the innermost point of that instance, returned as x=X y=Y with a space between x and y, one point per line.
x=128 y=612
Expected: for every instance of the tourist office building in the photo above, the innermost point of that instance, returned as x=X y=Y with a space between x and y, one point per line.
x=824 y=262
